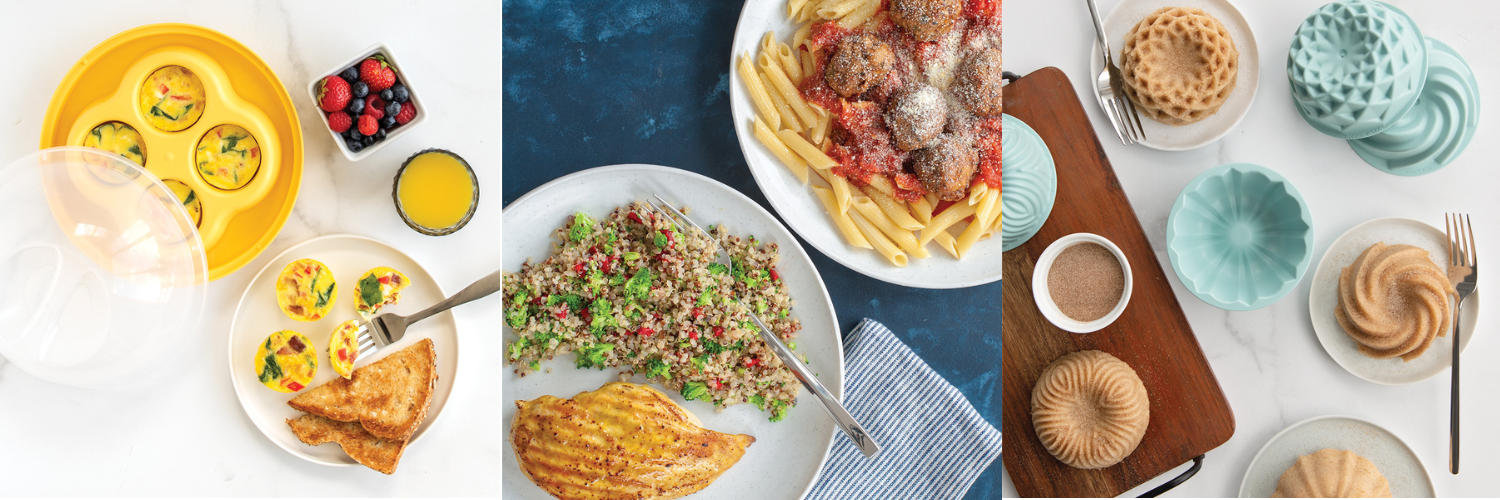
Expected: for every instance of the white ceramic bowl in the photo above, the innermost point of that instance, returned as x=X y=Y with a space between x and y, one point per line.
x=390 y=58
x=1043 y=296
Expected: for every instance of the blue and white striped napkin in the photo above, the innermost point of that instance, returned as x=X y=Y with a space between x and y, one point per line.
x=933 y=443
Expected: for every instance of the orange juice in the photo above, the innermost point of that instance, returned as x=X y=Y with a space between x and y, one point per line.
x=435 y=191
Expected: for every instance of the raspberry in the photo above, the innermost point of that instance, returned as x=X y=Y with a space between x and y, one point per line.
x=408 y=111
x=367 y=125
x=339 y=121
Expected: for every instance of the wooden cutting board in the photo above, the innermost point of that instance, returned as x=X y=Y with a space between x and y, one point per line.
x=1189 y=414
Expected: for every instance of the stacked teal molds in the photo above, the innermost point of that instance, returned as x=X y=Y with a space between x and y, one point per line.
x=1029 y=182
x=1361 y=70
x=1239 y=236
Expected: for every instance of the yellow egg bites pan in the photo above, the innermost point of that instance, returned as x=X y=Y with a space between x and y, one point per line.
x=240 y=89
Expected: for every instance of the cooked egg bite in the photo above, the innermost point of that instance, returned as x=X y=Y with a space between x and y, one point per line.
x=118 y=138
x=306 y=290
x=172 y=98
x=343 y=348
x=379 y=287
x=228 y=157
x=286 y=361
x=188 y=198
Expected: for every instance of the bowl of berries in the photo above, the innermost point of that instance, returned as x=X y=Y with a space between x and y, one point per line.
x=367 y=102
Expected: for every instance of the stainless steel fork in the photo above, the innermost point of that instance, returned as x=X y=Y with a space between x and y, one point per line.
x=1110 y=89
x=841 y=416
x=1463 y=270
x=388 y=328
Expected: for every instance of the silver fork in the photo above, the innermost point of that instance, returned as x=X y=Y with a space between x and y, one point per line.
x=388 y=328
x=1463 y=269
x=841 y=416
x=1110 y=87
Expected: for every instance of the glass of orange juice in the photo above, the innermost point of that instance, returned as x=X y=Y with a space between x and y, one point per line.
x=436 y=192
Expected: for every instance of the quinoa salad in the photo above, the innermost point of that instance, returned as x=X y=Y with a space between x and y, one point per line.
x=637 y=292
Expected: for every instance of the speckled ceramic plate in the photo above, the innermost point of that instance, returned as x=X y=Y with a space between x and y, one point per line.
x=1165 y=137
x=1324 y=298
x=788 y=455
x=801 y=210
x=1396 y=461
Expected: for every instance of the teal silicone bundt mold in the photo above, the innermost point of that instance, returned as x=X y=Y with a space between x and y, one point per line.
x=1438 y=128
x=1239 y=236
x=1029 y=182
x=1355 y=67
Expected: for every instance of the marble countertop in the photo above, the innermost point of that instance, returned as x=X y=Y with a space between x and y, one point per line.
x=1268 y=361
x=190 y=435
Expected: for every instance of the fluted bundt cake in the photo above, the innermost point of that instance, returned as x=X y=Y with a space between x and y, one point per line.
x=1089 y=409
x=1393 y=301
x=1331 y=473
x=1179 y=64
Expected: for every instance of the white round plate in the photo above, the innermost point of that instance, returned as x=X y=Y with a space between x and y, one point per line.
x=258 y=316
x=801 y=210
x=1165 y=137
x=788 y=455
x=1400 y=466
x=1324 y=298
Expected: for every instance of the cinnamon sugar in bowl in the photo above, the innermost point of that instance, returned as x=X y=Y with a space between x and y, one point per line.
x=1081 y=282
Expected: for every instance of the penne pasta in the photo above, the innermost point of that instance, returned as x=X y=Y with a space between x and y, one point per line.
x=840 y=191
x=921 y=209
x=837 y=9
x=757 y=90
x=883 y=184
x=988 y=204
x=895 y=209
x=940 y=222
x=970 y=235
x=800 y=37
x=789 y=63
x=948 y=242
x=842 y=221
x=788 y=119
x=808 y=66
x=902 y=237
x=780 y=83
x=794 y=7
x=879 y=241
x=779 y=149
x=820 y=129
x=860 y=15
x=815 y=157
x=976 y=192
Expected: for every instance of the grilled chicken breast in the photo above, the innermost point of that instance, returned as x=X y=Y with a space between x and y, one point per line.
x=620 y=441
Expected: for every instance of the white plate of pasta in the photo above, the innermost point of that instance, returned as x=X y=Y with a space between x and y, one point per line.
x=872 y=179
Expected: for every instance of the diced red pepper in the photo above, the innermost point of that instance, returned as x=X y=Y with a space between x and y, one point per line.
x=632 y=216
x=293 y=385
x=718 y=384
x=750 y=362
x=344 y=354
x=718 y=331
x=775 y=275
x=385 y=280
x=563 y=314
x=693 y=334
x=697 y=312
x=578 y=268
x=645 y=331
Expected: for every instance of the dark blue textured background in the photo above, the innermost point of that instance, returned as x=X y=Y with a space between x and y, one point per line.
x=601 y=83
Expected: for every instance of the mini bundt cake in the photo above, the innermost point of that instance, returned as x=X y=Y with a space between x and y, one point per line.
x=1393 y=301
x=1179 y=65
x=1331 y=473
x=1090 y=410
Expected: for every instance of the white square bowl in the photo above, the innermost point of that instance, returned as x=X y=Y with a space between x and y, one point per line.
x=390 y=58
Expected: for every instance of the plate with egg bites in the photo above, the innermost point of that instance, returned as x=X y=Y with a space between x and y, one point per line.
x=197 y=107
x=795 y=202
x=257 y=316
x=1323 y=299
x=1127 y=14
x=1401 y=467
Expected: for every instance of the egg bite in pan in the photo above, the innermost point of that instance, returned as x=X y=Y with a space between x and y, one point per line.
x=306 y=290
x=379 y=287
x=172 y=98
x=343 y=348
x=286 y=361
x=227 y=157
x=188 y=198
x=118 y=138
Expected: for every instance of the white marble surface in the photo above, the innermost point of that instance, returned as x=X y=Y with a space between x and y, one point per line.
x=190 y=436
x=1269 y=362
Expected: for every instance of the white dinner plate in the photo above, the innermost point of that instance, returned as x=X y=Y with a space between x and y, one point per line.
x=1323 y=298
x=1400 y=466
x=788 y=455
x=258 y=316
x=801 y=209
x=1165 y=137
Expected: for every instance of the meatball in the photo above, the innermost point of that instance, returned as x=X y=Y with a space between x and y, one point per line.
x=946 y=168
x=859 y=62
x=916 y=116
x=926 y=20
x=978 y=82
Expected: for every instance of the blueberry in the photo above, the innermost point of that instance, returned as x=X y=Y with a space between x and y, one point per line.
x=392 y=109
x=386 y=95
x=356 y=107
x=369 y=139
x=388 y=122
x=359 y=89
x=350 y=75
x=399 y=93
x=379 y=135
x=355 y=145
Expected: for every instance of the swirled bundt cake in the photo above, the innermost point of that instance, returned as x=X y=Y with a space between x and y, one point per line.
x=1393 y=301
x=1179 y=65
x=1090 y=410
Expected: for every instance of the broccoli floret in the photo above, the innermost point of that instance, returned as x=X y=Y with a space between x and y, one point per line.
x=660 y=240
x=717 y=268
x=656 y=368
x=595 y=281
x=699 y=362
x=706 y=297
x=582 y=225
x=516 y=316
x=592 y=356
x=516 y=347
x=759 y=401
x=601 y=317
x=696 y=390
x=639 y=284
x=575 y=303
x=778 y=410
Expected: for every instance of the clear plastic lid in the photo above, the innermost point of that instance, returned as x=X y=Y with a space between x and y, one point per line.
x=102 y=271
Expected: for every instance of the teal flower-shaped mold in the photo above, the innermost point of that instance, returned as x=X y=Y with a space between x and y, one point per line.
x=1239 y=237
x=1028 y=182
x=1438 y=128
x=1355 y=67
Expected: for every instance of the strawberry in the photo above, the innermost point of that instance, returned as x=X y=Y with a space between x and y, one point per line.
x=375 y=72
x=408 y=111
x=374 y=106
x=339 y=121
x=333 y=94
x=367 y=125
